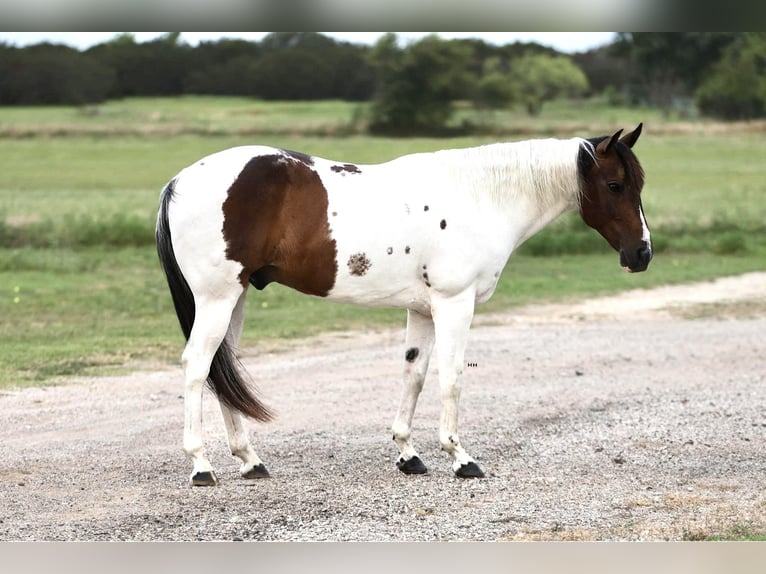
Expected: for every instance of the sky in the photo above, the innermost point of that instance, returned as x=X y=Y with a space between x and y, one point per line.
x=568 y=42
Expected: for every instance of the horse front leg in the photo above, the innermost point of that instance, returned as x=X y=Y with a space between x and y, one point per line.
x=452 y=320
x=419 y=344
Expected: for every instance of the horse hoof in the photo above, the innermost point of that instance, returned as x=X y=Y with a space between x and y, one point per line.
x=205 y=478
x=411 y=466
x=470 y=470
x=258 y=471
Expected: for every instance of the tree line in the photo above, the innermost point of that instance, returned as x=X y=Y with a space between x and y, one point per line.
x=411 y=87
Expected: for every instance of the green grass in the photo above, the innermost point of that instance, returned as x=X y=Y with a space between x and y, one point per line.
x=81 y=290
x=737 y=533
x=560 y=118
x=196 y=115
x=741 y=534
x=237 y=116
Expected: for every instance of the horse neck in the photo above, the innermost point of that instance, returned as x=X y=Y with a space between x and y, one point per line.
x=532 y=182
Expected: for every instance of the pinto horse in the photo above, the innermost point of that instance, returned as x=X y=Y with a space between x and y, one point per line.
x=427 y=232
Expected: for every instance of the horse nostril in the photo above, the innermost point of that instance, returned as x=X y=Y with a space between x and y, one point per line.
x=645 y=253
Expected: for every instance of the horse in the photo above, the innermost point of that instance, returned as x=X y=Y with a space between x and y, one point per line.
x=426 y=232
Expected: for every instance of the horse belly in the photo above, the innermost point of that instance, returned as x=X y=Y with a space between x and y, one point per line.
x=377 y=255
x=376 y=274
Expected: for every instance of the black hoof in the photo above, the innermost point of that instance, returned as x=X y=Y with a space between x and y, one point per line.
x=411 y=466
x=257 y=472
x=206 y=478
x=470 y=470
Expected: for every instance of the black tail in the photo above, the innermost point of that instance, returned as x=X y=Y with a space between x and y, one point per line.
x=226 y=374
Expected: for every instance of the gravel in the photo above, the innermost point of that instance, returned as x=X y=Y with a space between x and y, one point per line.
x=635 y=417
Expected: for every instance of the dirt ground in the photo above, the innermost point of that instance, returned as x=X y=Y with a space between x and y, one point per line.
x=635 y=417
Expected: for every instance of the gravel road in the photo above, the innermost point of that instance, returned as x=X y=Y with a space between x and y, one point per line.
x=635 y=417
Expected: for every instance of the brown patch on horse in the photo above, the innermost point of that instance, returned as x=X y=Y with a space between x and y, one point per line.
x=275 y=225
x=347 y=167
x=358 y=264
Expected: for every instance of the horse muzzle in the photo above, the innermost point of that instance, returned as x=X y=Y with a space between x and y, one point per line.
x=636 y=260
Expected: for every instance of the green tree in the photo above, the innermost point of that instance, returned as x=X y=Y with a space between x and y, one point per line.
x=292 y=75
x=495 y=88
x=223 y=67
x=669 y=65
x=51 y=74
x=418 y=84
x=539 y=78
x=736 y=87
x=155 y=68
x=606 y=71
x=329 y=68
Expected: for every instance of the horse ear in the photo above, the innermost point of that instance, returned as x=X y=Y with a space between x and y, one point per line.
x=630 y=139
x=604 y=147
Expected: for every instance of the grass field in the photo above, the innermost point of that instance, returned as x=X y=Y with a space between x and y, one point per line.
x=81 y=290
x=210 y=115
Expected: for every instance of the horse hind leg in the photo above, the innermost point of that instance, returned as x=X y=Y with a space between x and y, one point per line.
x=252 y=466
x=211 y=324
x=419 y=343
x=239 y=445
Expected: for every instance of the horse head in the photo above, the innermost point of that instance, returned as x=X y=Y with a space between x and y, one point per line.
x=612 y=180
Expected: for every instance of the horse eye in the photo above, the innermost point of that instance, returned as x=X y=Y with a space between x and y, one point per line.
x=614 y=186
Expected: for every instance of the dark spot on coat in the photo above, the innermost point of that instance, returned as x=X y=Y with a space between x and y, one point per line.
x=443 y=223
x=425 y=278
x=411 y=354
x=425 y=208
x=300 y=156
x=390 y=250
x=425 y=267
x=407 y=249
x=358 y=264
x=348 y=167
x=275 y=225
x=334 y=213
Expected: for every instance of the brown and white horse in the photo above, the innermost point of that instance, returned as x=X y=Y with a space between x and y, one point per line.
x=428 y=232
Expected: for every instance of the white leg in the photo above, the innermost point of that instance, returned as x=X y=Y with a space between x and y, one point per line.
x=252 y=466
x=419 y=344
x=452 y=320
x=211 y=324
